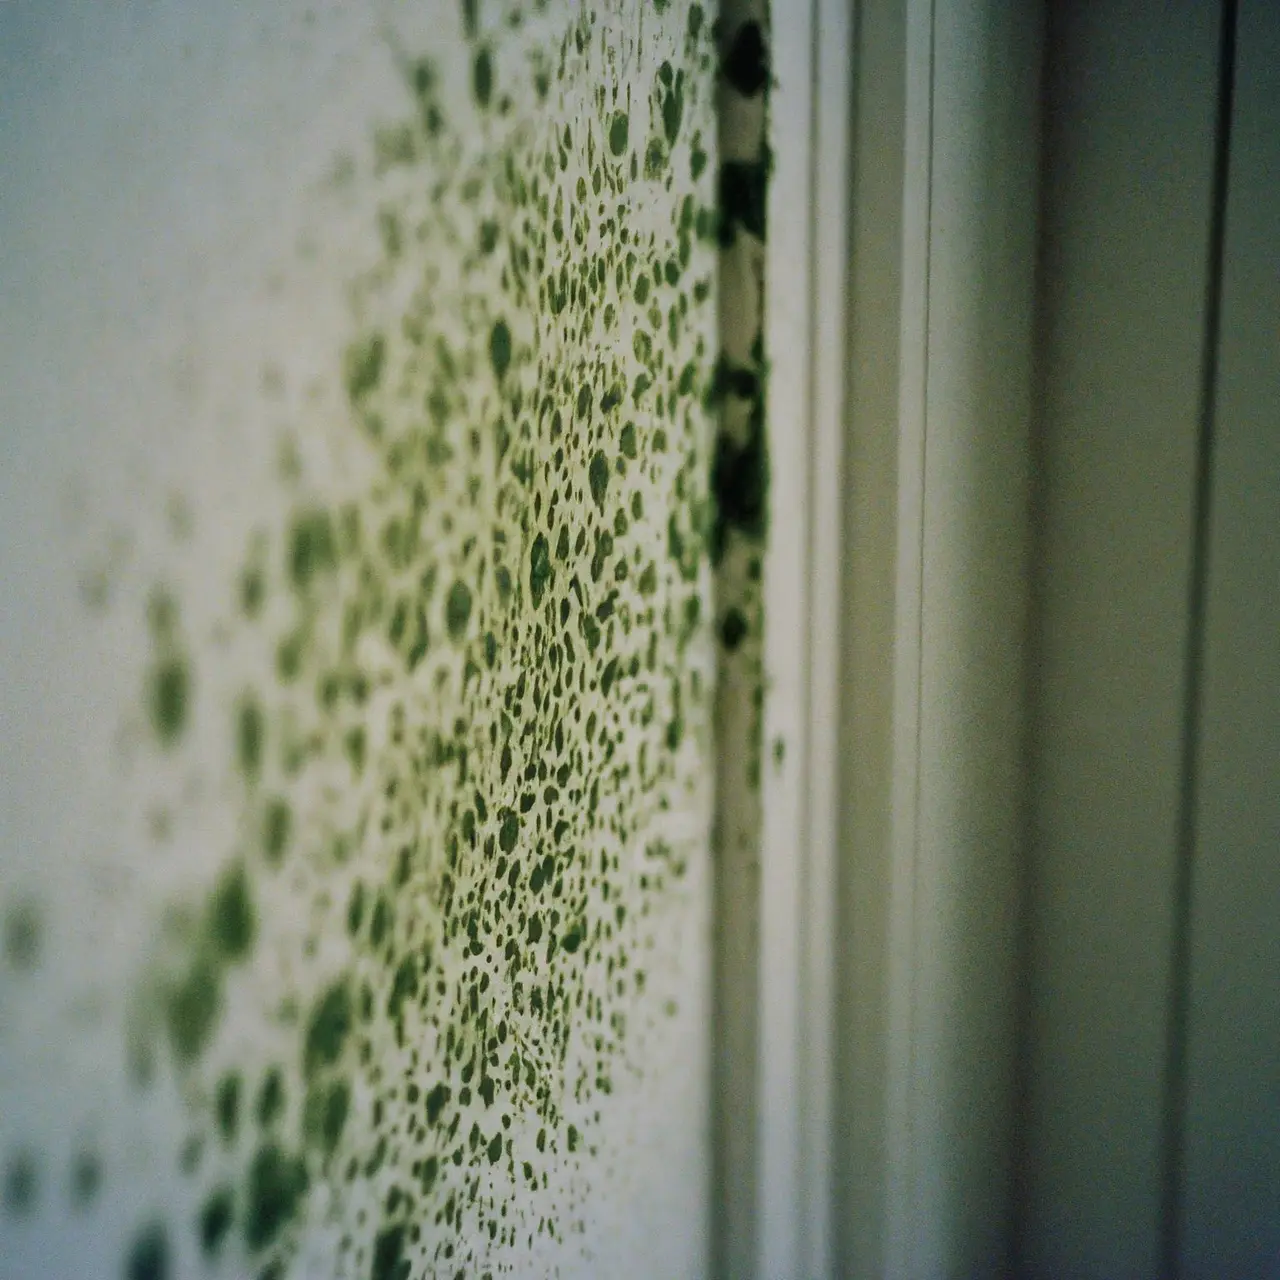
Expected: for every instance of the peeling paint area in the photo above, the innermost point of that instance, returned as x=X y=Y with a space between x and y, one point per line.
x=453 y=704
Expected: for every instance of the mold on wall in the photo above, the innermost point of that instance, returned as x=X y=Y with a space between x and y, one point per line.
x=739 y=480
x=438 y=710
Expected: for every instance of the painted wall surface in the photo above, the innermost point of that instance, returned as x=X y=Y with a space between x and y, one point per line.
x=356 y=637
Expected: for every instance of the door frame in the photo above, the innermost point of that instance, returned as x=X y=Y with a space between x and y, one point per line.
x=899 y=403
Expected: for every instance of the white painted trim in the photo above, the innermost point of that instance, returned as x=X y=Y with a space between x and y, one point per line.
x=818 y=565
x=933 y=600
x=806 y=264
x=899 y=383
x=789 y=319
x=832 y=119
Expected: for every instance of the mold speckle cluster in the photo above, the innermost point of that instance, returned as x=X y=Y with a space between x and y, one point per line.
x=481 y=701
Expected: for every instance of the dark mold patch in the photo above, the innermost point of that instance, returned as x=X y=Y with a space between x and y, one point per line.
x=276 y=1183
x=148 y=1257
x=734 y=628
x=744 y=189
x=746 y=65
x=22 y=936
x=86 y=1178
x=232 y=916
x=328 y=1028
x=169 y=696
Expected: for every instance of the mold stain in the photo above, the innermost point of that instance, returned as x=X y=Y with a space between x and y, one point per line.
x=458 y=790
x=22 y=936
x=739 y=482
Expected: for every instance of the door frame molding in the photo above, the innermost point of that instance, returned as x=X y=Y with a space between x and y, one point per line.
x=900 y=431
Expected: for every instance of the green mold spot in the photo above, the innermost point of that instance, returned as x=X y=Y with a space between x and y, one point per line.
x=328 y=1028
x=733 y=629
x=655 y=159
x=500 y=349
x=470 y=18
x=437 y=1100
x=86 y=1178
x=355 y=909
x=539 y=568
x=495 y=1148
x=458 y=610
x=21 y=1183
x=380 y=925
x=217 y=1216
x=277 y=823
x=598 y=477
x=743 y=198
x=746 y=65
x=232 y=918
x=226 y=1106
x=482 y=77
x=404 y=987
x=509 y=831
x=270 y=1098
x=364 y=363
x=619 y=127
x=148 y=1257
x=253 y=591
x=276 y=1184
x=249 y=735
x=22 y=936
x=192 y=1010
x=325 y=1114
x=289 y=658
x=673 y=109
x=168 y=698
x=312 y=550
x=740 y=467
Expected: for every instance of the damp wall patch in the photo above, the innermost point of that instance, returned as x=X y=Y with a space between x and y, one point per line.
x=357 y=527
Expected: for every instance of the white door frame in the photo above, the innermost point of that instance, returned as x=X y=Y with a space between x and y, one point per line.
x=896 y=600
